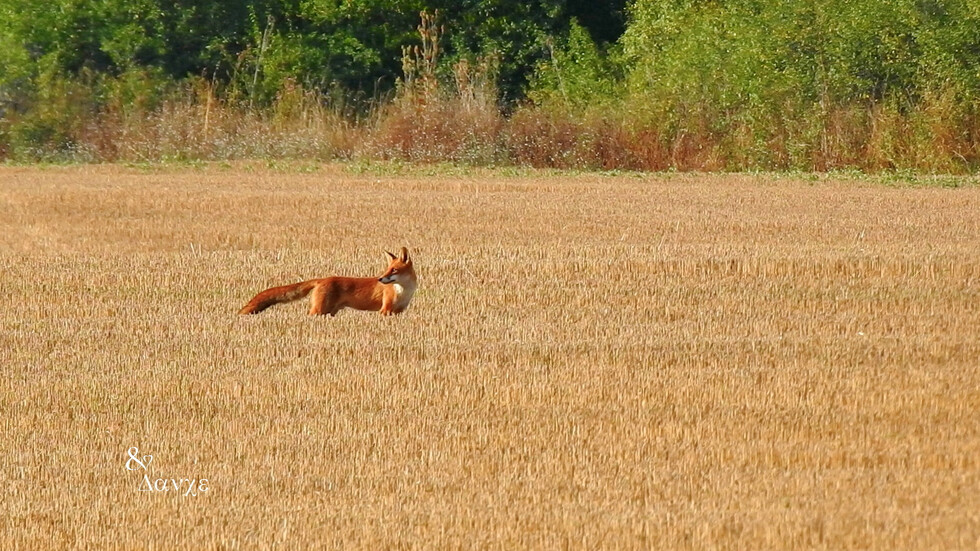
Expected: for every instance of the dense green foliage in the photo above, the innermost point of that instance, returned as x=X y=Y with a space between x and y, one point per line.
x=256 y=45
x=783 y=68
x=683 y=83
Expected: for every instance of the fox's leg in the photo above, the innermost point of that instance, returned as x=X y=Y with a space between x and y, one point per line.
x=386 y=306
x=318 y=301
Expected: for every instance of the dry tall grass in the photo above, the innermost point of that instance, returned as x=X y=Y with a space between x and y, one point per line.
x=673 y=362
x=462 y=123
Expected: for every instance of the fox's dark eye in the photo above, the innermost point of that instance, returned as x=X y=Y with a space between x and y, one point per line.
x=394 y=271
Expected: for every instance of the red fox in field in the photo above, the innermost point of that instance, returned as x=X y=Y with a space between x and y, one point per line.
x=388 y=294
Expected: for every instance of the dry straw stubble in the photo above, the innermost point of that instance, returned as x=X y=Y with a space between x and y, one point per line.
x=681 y=361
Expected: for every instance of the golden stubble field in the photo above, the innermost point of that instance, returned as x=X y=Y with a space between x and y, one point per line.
x=667 y=362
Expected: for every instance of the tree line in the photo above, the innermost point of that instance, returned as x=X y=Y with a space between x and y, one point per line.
x=710 y=84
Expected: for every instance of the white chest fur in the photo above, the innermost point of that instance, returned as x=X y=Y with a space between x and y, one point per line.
x=403 y=294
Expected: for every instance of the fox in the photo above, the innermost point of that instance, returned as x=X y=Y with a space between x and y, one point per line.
x=388 y=294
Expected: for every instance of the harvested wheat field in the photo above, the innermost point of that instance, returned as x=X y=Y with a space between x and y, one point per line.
x=591 y=361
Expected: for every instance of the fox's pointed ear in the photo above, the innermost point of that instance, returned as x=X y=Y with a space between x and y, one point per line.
x=391 y=255
x=404 y=254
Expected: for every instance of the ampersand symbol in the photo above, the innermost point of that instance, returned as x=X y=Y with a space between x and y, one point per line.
x=139 y=461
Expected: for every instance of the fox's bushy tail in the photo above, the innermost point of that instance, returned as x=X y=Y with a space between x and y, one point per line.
x=277 y=295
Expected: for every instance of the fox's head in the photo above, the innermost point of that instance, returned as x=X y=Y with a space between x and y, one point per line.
x=399 y=270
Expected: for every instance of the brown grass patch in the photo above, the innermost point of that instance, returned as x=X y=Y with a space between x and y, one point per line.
x=651 y=362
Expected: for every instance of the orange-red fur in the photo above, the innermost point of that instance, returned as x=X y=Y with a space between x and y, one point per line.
x=388 y=294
